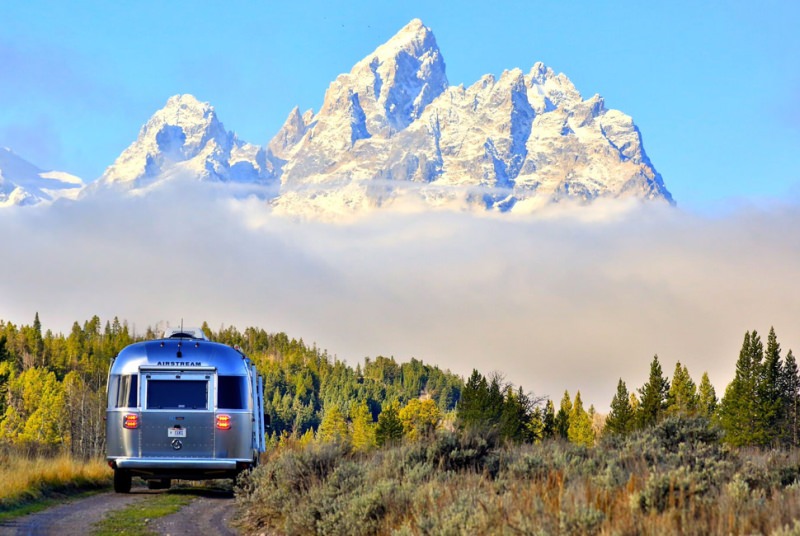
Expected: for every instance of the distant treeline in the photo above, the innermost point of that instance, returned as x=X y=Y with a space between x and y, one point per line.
x=52 y=394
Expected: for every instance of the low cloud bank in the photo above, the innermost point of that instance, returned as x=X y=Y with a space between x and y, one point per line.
x=554 y=302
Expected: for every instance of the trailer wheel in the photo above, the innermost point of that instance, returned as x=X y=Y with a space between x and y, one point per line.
x=122 y=481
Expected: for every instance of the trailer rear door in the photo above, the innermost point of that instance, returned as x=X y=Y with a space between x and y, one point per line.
x=178 y=418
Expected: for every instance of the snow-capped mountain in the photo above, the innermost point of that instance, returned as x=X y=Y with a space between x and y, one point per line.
x=392 y=127
x=391 y=131
x=185 y=139
x=22 y=183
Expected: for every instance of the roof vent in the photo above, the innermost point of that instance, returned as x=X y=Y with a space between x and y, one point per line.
x=185 y=333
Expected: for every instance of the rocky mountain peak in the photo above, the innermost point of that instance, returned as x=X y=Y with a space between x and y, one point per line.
x=185 y=137
x=397 y=81
x=513 y=142
x=292 y=131
x=392 y=127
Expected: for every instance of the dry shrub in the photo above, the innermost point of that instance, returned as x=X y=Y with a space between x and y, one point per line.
x=676 y=478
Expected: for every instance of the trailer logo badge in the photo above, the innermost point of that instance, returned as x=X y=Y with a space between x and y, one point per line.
x=177 y=444
x=180 y=364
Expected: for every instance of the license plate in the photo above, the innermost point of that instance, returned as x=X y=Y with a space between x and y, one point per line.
x=176 y=432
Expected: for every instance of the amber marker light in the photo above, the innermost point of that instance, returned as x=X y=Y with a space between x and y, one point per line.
x=224 y=422
x=131 y=420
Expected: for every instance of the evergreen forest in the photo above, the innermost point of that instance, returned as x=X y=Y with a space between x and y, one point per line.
x=383 y=447
x=52 y=394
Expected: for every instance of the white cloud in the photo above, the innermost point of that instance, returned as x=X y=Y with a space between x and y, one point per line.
x=553 y=302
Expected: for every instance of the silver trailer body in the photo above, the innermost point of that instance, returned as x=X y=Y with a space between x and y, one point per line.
x=182 y=407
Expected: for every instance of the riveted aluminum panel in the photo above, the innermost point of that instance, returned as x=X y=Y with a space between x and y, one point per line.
x=197 y=426
x=121 y=441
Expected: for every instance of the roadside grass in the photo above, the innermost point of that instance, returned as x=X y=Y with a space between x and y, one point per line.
x=28 y=483
x=135 y=519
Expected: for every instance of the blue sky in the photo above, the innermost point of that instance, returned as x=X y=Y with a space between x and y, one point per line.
x=714 y=89
x=715 y=92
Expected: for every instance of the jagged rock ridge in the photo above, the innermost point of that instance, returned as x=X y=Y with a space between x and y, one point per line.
x=392 y=127
x=185 y=138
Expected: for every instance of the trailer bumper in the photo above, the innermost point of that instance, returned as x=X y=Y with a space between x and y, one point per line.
x=182 y=469
x=178 y=463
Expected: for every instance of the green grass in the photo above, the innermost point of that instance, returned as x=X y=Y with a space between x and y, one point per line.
x=136 y=518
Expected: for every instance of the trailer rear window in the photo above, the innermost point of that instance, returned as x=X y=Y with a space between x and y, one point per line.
x=177 y=394
x=127 y=391
x=232 y=392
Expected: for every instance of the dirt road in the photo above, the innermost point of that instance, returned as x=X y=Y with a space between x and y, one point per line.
x=208 y=513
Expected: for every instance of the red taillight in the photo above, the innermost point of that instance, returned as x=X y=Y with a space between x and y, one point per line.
x=224 y=422
x=131 y=420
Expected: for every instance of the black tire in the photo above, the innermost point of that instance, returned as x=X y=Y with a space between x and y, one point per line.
x=122 y=481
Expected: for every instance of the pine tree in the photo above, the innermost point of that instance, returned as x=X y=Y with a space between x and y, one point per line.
x=562 y=417
x=682 y=396
x=580 y=429
x=390 y=428
x=482 y=402
x=770 y=395
x=515 y=419
x=707 y=398
x=653 y=402
x=474 y=399
x=620 y=418
x=535 y=427
x=790 y=394
x=38 y=341
x=333 y=428
x=740 y=409
x=363 y=437
x=493 y=408
x=549 y=420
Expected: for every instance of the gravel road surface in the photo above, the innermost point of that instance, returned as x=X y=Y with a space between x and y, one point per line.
x=208 y=513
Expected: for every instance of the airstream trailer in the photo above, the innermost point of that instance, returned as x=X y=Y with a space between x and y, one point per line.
x=182 y=407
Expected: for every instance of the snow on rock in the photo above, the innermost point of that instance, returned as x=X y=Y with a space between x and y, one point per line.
x=185 y=138
x=22 y=183
x=392 y=133
x=392 y=128
x=381 y=96
x=290 y=134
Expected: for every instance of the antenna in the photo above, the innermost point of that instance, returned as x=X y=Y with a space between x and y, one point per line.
x=181 y=324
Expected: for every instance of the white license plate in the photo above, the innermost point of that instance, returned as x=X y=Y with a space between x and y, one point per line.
x=176 y=432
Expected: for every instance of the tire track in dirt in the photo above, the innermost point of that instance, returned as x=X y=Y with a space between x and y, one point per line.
x=209 y=513
x=75 y=516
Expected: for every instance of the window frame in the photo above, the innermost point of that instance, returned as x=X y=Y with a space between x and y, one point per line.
x=179 y=376
x=115 y=396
